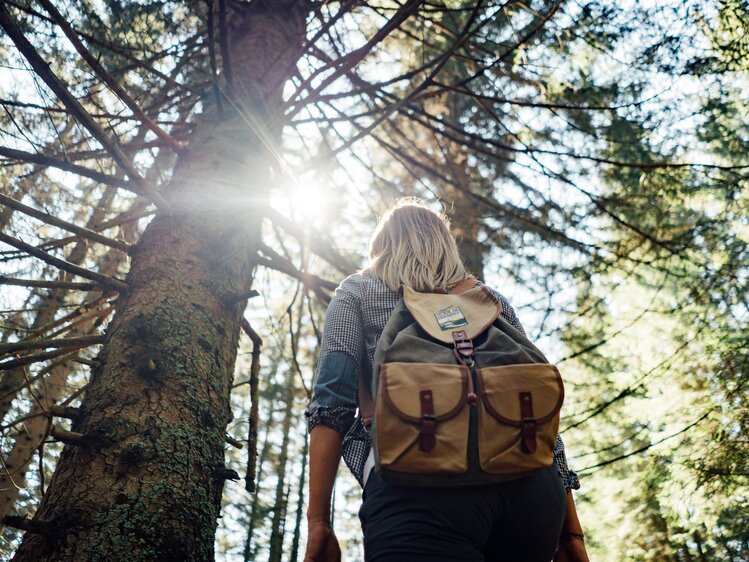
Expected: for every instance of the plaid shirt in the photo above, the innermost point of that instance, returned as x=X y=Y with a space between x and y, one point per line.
x=355 y=319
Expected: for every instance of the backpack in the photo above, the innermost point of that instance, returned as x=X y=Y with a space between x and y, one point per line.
x=461 y=397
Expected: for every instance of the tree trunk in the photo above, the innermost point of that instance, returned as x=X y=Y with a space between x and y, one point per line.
x=300 y=503
x=145 y=482
x=255 y=509
x=279 y=508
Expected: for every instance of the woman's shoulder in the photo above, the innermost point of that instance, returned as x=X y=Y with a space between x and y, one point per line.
x=363 y=280
x=361 y=284
x=499 y=296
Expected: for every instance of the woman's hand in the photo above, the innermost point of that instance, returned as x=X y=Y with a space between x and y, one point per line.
x=571 y=550
x=322 y=544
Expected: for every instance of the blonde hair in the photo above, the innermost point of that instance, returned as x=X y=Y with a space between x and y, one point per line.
x=412 y=245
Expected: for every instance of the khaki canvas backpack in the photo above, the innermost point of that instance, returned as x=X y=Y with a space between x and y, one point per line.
x=461 y=397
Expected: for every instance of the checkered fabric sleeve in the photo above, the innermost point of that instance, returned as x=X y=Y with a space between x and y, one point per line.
x=334 y=401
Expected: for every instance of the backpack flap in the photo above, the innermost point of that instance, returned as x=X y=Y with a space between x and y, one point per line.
x=421 y=418
x=525 y=400
x=440 y=315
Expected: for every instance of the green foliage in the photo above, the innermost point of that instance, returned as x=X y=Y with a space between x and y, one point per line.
x=592 y=155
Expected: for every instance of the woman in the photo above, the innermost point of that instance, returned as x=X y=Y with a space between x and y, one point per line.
x=524 y=520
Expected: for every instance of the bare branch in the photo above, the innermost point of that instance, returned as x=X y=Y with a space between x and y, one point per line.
x=104 y=280
x=43 y=528
x=279 y=263
x=348 y=61
x=67 y=437
x=49 y=219
x=43 y=160
x=77 y=342
x=44 y=71
x=107 y=78
x=253 y=421
x=71 y=286
x=321 y=247
x=36 y=358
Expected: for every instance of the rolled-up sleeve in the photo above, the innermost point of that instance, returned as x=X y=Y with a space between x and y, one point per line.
x=335 y=388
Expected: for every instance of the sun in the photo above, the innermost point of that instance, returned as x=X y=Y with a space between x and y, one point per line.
x=304 y=200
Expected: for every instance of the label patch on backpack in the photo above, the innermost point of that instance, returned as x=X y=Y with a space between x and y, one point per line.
x=450 y=317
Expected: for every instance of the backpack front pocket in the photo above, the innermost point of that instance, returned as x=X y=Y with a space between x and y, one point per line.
x=518 y=417
x=421 y=418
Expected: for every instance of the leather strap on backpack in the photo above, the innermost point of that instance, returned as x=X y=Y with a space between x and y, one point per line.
x=527 y=423
x=428 y=426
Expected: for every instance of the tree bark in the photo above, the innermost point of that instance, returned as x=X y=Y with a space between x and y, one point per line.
x=145 y=484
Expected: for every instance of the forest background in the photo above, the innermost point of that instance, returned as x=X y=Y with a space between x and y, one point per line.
x=183 y=184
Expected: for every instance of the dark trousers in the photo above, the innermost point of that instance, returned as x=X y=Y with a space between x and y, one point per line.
x=516 y=521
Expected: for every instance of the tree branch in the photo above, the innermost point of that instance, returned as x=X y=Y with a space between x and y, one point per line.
x=104 y=280
x=5 y=280
x=36 y=358
x=77 y=342
x=107 y=78
x=321 y=247
x=49 y=219
x=43 y=160
x=348 y=61
x=279 y=263
x=44 y=71
x=257 y=342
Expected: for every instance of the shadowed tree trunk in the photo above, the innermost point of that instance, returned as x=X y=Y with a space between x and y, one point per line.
x=144 y=481
x=255 y=509
x=300 y=503
x=279 y=508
